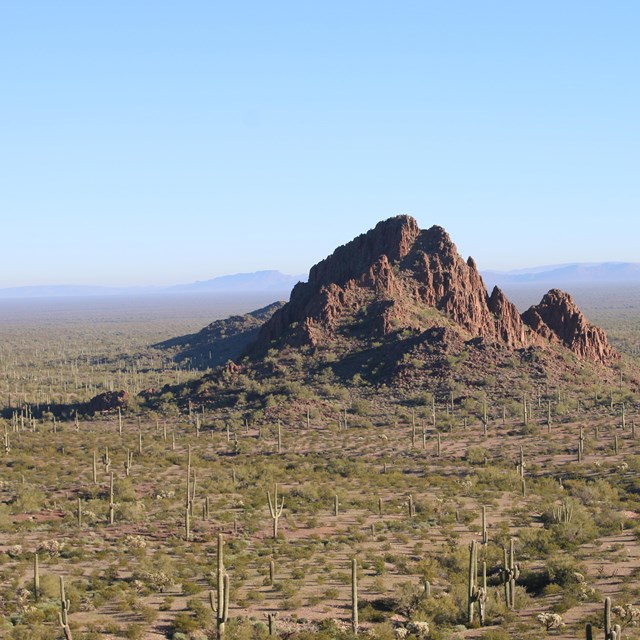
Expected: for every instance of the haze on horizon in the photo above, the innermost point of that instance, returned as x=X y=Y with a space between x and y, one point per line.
x=155 y=143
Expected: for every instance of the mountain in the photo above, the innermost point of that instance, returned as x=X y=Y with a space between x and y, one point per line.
x=568 y=274
x=401 y=278
x=243 y=282
x=396 y=308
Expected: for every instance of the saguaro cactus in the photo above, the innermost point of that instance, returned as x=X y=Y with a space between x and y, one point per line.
x=509 y=574
x=275 y=509
x=476 y=594
x=271 y=617
x=63 y=616
x=521 y=463
x=221 y=607
x=611 y=632
x=485 y=535
x=411 y=506
x=128 y=463
x=36 y=576
x=354 y=595
x=187 y=502
x=112 y=505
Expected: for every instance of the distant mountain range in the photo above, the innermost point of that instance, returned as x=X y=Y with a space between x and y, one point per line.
x=242 y=282
x=259 y=281
x=582 y=273
x=265 y=281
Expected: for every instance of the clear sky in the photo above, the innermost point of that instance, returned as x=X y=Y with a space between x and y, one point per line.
x=159 y=142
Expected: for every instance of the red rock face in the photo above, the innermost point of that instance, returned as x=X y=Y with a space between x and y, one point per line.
x=406 y=270
x=558 y=319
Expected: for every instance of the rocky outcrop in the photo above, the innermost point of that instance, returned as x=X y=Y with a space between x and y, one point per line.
x=509 y=326
x=450 y=284
x=396 y=273
x=108 y=401
x=558 y=319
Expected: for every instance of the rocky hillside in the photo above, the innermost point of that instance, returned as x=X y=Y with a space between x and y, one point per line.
x=404 y=279
x=220 y=341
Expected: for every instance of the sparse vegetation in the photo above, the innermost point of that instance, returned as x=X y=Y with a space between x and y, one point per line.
x=406 y=508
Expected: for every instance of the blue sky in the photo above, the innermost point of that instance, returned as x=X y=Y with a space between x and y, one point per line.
x=154 y=142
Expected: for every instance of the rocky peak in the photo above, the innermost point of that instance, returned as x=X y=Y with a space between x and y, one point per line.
x=450 y=284
x=436 y=240
x=392 y=238
x=366 y=260
x=558 y=319
x=397 y=272
x=509 y=325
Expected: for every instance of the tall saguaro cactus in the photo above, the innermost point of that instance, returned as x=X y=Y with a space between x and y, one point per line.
x=112 y=504
x=510 y=573
x=611 y=632
x=36 y=576
x=485 y=535
x=275 y=509
x=63 y=615
x=220 y=601
x=354 y=596
x=476 y=594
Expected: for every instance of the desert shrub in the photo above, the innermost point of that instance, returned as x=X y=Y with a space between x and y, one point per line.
x=441 y=608
x=382 y=631
x=563 y=571
x=477 y=455
x=28 y=499
x=495 y=634
x=134 y=631
x=184 y=623
x=536 y=543
x=190 y=588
